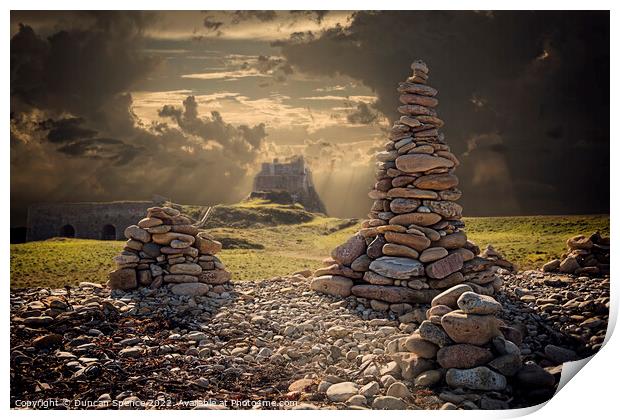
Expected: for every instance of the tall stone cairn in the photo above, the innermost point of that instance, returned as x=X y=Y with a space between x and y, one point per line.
x=165 y=248
x=412 y=247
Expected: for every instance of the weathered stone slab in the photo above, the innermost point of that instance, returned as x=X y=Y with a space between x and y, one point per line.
x=215 y=276
x=332 y=285
x=394 y=294
x=422 y=219
x=437 y=182
x=421 y=163
x=452 y=241
x=411 y=193
x=397 y=267
x=444 y=267
x=417 y=242
x=350 y=250
x=404 y=205
x=123 y=279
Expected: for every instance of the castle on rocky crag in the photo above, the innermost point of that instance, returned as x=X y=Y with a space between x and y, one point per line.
x=293 y=177
x=106 y=220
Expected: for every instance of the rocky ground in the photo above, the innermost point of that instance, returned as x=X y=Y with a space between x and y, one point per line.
x=273 y=341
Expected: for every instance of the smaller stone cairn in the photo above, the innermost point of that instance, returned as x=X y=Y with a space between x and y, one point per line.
x=165 y=248
x=586 y=256
x=464 y=344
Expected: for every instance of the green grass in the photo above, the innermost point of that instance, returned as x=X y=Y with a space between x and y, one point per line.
x=530 y=241
x=57 y=262
x=268 y=250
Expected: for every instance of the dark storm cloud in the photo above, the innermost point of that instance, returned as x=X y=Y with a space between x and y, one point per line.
x=261 y=15
x=75 y=137
x=277 y=67
x=363 y=114
x=318 y=15
x=78 y=70
x=66 y=130
x=270 y=15
x=244 y=140
x=536 y=82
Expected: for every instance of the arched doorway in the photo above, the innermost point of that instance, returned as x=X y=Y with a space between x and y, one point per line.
x=67 y=231
x=108 y=233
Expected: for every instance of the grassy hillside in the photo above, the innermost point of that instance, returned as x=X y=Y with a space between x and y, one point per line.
x=283 y=239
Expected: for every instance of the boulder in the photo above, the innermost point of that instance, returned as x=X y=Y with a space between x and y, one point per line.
x=428 y=378
x=396 y=250
x=559 y=354
x=166 y=238
x=507 y=364
x=137 y=233
x=190 y=289
x=411 y=365
x=361 y=263
x=398 y=390
x=533 y=376
x=452 y=241
x=180 y=278
x=144 y=277
x=422 y=219
x=126 y=258
x=339 y=270
x=433 y=254
x=186 y=268
x=47 y=341
x=332 y=285
x=214 y=276
x=421 y=163
x=399 y=192
x=342 y=391
x=436 y=182
x=579 y=242
x=569 y=265
x=404 y=205
x=470 y=329
x=123 y=279
x=448 y=209
x=463 y=356
x=149 y=222
x=208 y=246
x=433 y=333
x=375 y=247
x=397 y=267
x=350 y=250
x=152 y=250
x=444 y=267
x=450 y=297
x=447 y=282
x=473 y=303
x=374 y=278
x=417 y=242
x=480 y=378
x=423 y=348
x=393 y=294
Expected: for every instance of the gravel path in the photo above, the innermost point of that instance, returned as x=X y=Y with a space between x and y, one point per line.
x=271 y=341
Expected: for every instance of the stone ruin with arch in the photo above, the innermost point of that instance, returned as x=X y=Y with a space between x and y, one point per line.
x=106 y=221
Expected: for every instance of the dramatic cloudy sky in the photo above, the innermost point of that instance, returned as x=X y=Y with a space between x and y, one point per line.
x=123 y=105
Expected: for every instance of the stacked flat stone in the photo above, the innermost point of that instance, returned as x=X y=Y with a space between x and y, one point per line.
x=458 y=334
x=412 y=247
x=464 y=343
x=586 y=256
x=165 y=248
